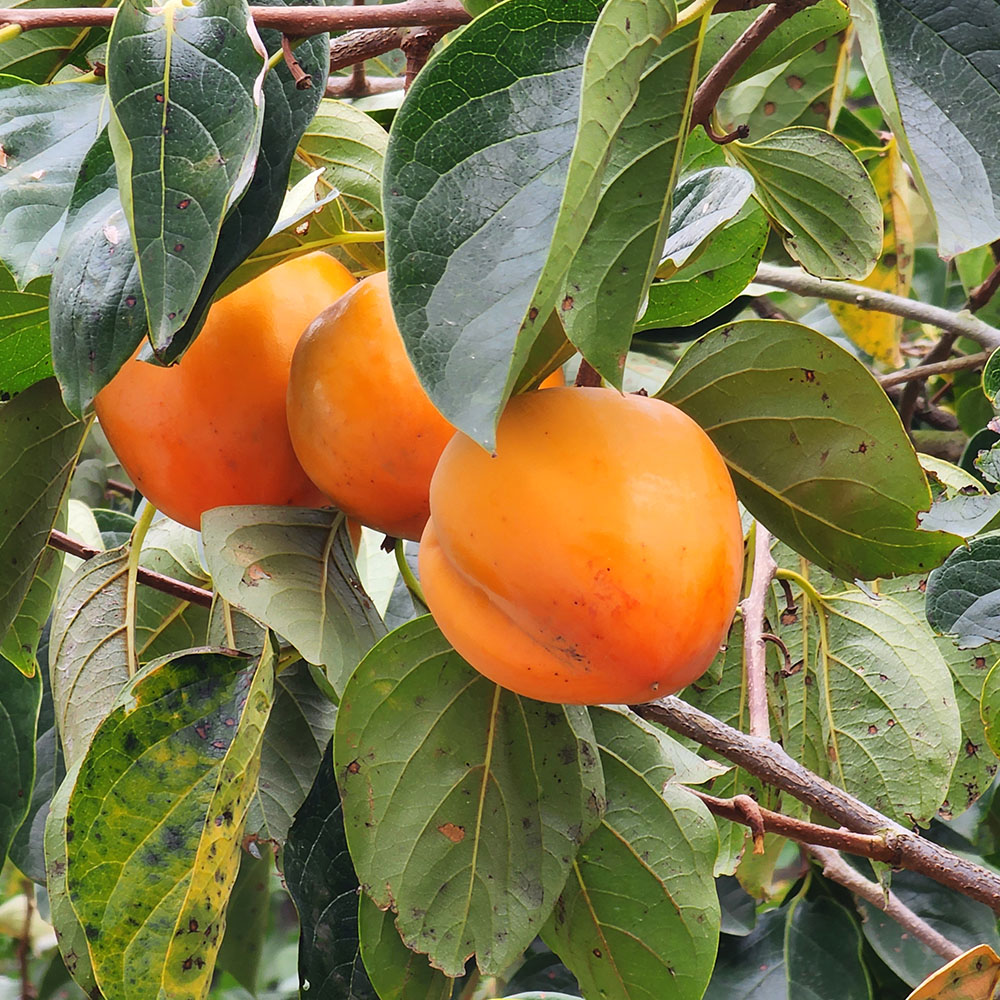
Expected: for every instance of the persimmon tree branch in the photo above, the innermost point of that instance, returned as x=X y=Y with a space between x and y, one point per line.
x=837 y=870
x=770 y=763
x=365 y=43
x=754 y=647
x=166 y=584
x=792 y=279
x=924 y=371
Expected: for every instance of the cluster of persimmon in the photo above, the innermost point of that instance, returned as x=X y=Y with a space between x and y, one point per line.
x=596 y=557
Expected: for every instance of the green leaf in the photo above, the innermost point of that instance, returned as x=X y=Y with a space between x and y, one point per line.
x=96 y=302
x=823 y=952
x=963 y=515
x=639 y=916
x=501 y=101
x=991 y=709
x=298 y=730
x=155 y=819
x=39 y=441
x=247 y=918
x=991 y=378
x=752 y=967
x=20 y=698
x=44 y=133
x=88 y=649
x=713 y=278
x=25 y=356
x=349 y=149
x=20 y=643
x=931 y=73
x=293 y=569
x=617 y=258
x=819 y=193
x=963 y=599
x=961 y=920
x=183 y=155
x=475 y=779
x=816 y=450
x=287 y=111
x=321 y=881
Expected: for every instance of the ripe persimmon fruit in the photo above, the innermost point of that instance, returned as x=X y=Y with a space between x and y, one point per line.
x=211 y=430
x=596 y=558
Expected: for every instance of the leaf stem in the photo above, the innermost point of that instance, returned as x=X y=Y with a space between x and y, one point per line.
x=811 y=593
x=135 y=550
x=694 y=10
x=359 y=236
x=963 y=324
x=9 y=32
x=412 y=584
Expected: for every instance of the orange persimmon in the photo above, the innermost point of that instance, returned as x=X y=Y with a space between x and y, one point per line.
x=596 y=558
x=211 y=430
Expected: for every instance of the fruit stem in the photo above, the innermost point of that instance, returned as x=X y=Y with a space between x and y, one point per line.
x=412 y=584
x=135 y=548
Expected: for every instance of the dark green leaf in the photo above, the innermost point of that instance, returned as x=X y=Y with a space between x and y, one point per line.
x=752 y=967
x=39 y=441
x=21 y=641
x=823 y=953
x=20 y=698
x=639 y=916
x=816 y=450
x=321 y=881
x=25 y=357
x=472 y=777
x=155 y=818
x=820 y=194
x=247 y=919
x=991 y=378
x=488 y=125
x=293 y=569
x=184 y=155
x=44 y=133
x=991 y=709
x=963 y=598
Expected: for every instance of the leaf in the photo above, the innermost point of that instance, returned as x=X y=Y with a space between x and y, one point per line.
x=20 y=644
x=287 y=111
x=44 y=134
x=96 y=302
x=823 y=952
x=38 y=54
x=971 y=976
x=20 y=698
x=474 y=777
x=818 y=192
x=991 y=709
x=293 y=569
x=506 y=101
x=321 y=881
x=247 y=918
x=155 y=817
x=713 y=278
x=930 y=72
x=752 y=967
x=879 y=333
x=183 y=155
x=298 y=730
x=962 y=596
x=39 y=441
x=848 y=487
x=639 y=916
x=88 y=649
x=25 y=357
x=991 y=379
x=961 y=920
x=620 y=252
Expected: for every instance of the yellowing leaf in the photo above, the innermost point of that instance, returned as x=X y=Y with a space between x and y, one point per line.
x=879 y=333
x=972 y=976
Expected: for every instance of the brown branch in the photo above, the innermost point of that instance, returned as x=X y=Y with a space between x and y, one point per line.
x=754 y=648
x=985 y=291
x=366 y=43
x=165 y=584
x=303 y=81
x=769 y=762
x=417 y=48
x=912 y=389
x=721 y=74
x=343 y=86
x=837 y=870
x=295 y=21
x=927 y=369
x=24 y=941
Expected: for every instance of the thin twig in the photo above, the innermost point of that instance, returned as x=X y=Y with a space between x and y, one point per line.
x=303 y=81
x=343 y=86
x=794 y=280
x=837 y=870
x=296 y=21
x=769 y=762
x=925 y=371
x=983 y=292
x=165 y=584
x=911 y=391
x=754 y=648
x=366 y=43
x=721 y=74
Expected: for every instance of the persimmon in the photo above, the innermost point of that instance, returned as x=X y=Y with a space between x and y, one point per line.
x=597 y=558
x=211 y=430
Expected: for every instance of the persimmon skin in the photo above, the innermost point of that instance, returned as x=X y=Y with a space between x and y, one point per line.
x=597 y=559
x=360 y=422
x=211 y=430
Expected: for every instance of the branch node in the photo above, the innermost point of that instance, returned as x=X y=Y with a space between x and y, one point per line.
x=754 y=818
